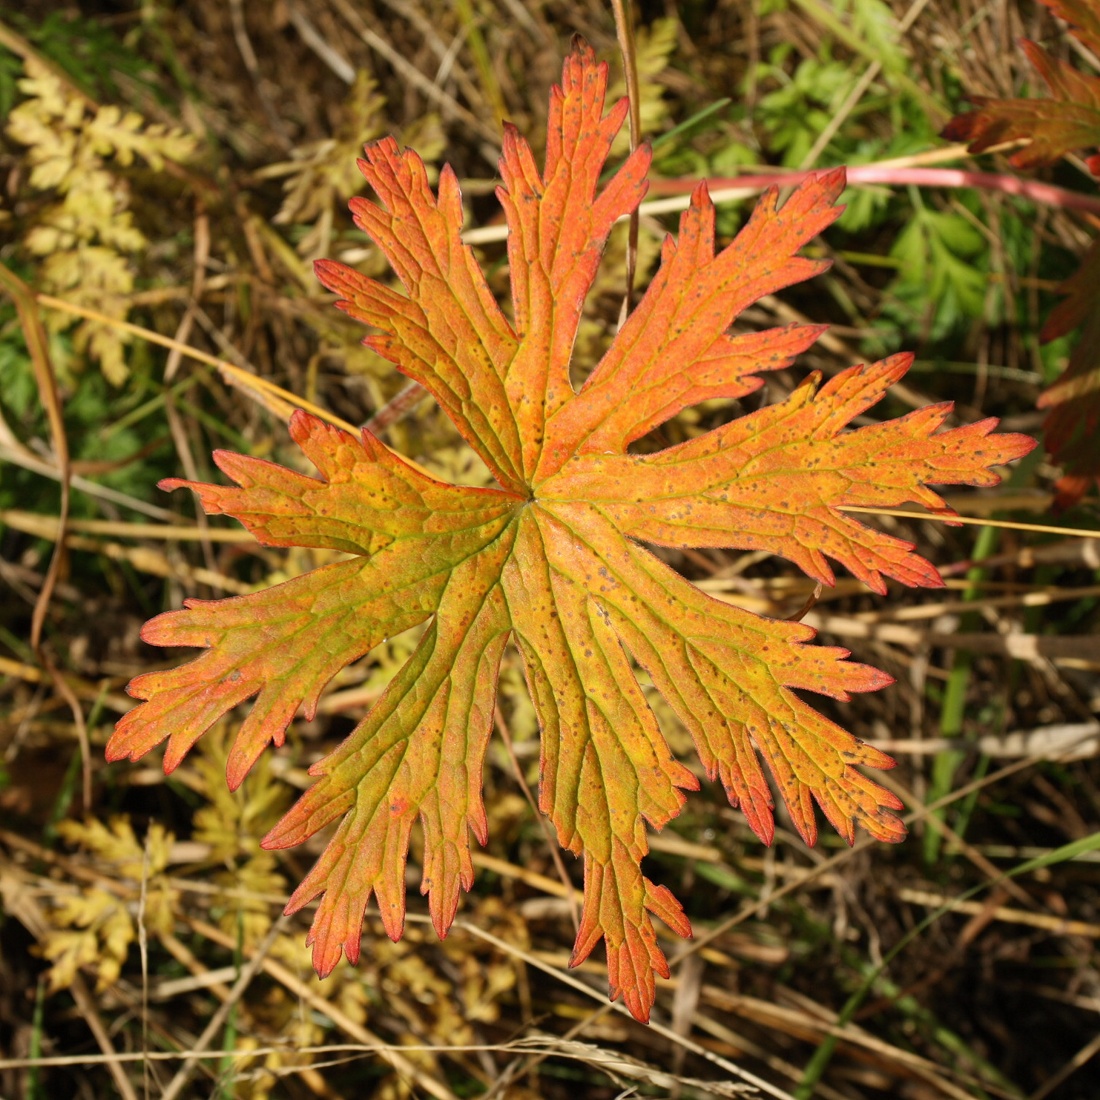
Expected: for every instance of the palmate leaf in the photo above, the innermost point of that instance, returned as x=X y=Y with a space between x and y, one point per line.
x=553 y=560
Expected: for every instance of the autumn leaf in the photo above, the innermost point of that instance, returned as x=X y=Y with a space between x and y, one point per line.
x=1072 y=426
x=555 y=559
x=1066 y=121
x=1051 y=128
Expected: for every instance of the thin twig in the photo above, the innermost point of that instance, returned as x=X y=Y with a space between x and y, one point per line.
x=397 y=408
x=898 y=172
x=624 y=29
x=412 y=74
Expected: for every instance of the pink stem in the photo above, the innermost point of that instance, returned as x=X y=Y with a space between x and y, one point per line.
x=1044 y=193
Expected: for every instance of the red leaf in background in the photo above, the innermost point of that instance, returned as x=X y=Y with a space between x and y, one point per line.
x=1068 y=121
x=1073 y=423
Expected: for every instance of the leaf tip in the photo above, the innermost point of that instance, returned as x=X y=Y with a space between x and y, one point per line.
x=303 y=425
x=878 y=679
x=279 y=836
x=117 y=747
x=833 y=181
x=236 y=768
x=393 y=919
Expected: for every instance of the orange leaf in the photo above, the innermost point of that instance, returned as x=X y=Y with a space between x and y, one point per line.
x=287 y=642
x=776 y=479
x=551 y=560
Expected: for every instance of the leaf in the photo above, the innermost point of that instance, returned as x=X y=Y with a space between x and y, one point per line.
x=1083 y=17
x=1073 y=422
x=553 y=559
x=1053 y=128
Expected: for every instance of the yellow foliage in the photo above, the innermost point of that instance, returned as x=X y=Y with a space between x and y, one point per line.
x=323 y=175
x=94 y=931
x=88 y=239
x=95 y=928
x=111 y=132
x=232 y=824
x=483 y=977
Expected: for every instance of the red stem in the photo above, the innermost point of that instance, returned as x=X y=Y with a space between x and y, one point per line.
x=1036 y=191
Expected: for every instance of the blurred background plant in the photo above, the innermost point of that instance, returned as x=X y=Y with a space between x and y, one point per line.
x=170 y=170
x=1049 y=128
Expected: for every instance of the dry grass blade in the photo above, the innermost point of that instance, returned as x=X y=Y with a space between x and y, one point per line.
x=1082 y=1058
x=1076 y=741
x=411 y=73
x=248 y=972
x=38 y=347
x=667 y=1032
x=142 y=558
x=282 y=402
x=36 y=524
x=978 y=521
x=622 y=1068
x=1058 y=926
